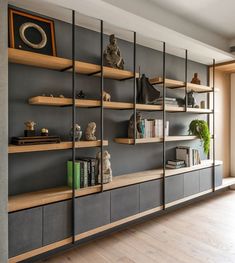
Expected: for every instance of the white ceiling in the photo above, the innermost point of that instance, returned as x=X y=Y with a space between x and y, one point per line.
x=215 y=15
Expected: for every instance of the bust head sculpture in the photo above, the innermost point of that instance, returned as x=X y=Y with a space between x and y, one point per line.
x=112 y=54
x=29 y=125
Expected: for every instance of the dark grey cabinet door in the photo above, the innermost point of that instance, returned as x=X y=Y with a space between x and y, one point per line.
x=92 y=211
x=174 y=188
x=206 y=179
x=124 y=202
x=218 y=175
x=150 y=194
x=191 y=183
x=25 y=231
x=57 y=222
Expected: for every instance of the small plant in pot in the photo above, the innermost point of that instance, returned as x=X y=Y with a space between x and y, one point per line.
x=200 y=129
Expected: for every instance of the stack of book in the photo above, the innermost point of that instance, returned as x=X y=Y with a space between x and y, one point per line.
x=168 y=101
x=175 y=164
x=86 y=173
x=188 y=155
x=151 y=128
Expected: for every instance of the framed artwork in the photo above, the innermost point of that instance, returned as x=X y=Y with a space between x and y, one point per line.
x=31 y=33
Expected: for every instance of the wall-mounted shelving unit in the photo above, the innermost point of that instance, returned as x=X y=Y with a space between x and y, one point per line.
x=129 y=196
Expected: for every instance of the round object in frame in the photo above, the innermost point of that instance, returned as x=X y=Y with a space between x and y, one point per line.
x=27 y=25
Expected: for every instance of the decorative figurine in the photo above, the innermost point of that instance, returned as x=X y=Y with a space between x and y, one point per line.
x=112 y=54
x=29 y=129
x=44 y=132
x=139 y=132
x=203 y=104
x=51 y=95
x=81 y=95
x=195 y=79
x=191 y=99
x=61 y=96
x=107 y=171
x=78 y=132
x=106 y=96
x=90 y=131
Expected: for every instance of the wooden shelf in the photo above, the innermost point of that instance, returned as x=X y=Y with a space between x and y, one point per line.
x=176 y=84
x=84 y=103
x=53 y=146
x=156 y=139
x=56 y=63
x=37 y=198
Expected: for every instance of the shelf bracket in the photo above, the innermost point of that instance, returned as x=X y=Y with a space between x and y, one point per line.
x=94 y=73
x=67 y=68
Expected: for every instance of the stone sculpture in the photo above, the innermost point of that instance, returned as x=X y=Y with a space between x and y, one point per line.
x=29 y=128
x=106 y=96
x=112 y=54
x=78 y=132
x=107 y=171
x=139 y=133
x=195 y=79
x=90 y=131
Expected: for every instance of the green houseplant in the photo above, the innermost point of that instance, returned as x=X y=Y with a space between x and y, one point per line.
x=200 y=128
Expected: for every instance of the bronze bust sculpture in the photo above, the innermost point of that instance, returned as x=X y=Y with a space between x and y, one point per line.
x=112 y=54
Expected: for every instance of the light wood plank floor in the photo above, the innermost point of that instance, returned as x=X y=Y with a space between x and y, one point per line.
x=202 y=232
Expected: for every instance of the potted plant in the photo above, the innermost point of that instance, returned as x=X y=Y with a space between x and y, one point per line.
x=200 y=128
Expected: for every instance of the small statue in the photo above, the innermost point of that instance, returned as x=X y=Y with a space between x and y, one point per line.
x=78 y=132
x=139 y=132
x=81 y=95
x=90 y=131
x=29 y=129
x=44 y=132
x=112 y=54
x=106 y=96
x=51 y=95
x=61 y=96
x=191 y=99
x=195 y=79
x=107 y=171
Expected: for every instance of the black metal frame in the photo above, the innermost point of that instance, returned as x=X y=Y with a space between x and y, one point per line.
x=134 y=86
x=164 y=125
x=213 y=139
x=186 y=80
x=73 y=124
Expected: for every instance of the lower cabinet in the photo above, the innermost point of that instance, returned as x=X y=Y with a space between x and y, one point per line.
x=25 y=231
x=174 y=188
x=57 y=222
x=124 y=202
x=92 y=211
x=150 y=195
x=191 y=183
x=206 y=179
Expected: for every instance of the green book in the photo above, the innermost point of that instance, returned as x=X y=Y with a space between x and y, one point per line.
x=70 y=174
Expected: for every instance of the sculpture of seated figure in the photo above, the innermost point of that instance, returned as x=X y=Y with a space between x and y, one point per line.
x=112 y=54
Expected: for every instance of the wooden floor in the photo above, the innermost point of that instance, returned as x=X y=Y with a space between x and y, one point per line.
x=202 y=232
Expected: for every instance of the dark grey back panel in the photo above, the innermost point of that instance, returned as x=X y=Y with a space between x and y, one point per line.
x=174 y=188
x=191 y=183
x=35 y=171
x=25 y=231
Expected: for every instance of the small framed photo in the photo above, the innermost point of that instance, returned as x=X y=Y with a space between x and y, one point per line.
x=31 y=33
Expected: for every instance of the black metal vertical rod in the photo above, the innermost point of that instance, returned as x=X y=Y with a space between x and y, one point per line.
x=134 y=86
x=164 y=126
x=186 y=80
x=102 y=102
x=73 y=122
x=213 y=140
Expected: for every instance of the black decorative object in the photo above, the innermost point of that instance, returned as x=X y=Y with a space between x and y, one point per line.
x=81 y=95
x=131 y=126
x=31 y=33
x=191 y=99
x=147 y=94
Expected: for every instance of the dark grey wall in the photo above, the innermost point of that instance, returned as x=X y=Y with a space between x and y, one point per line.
x=32 y=171
x=3 y=133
